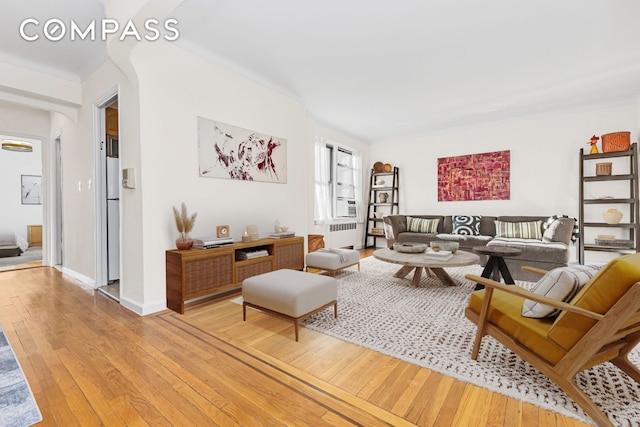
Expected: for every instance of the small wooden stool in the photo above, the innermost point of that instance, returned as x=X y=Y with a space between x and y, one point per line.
x=290 y=294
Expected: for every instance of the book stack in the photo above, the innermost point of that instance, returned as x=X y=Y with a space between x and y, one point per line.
x=211 y=242
x=282 y=234
x=251 y=254
x=438 y=256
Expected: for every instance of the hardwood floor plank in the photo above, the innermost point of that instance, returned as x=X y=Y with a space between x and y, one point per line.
x=410 y=393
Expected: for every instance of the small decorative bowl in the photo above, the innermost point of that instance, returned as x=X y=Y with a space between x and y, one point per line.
x=408 y=247
x=445 y=245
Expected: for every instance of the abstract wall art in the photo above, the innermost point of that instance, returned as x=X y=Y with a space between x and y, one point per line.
x=31 y=189
x=484 y=176
x=230 y=152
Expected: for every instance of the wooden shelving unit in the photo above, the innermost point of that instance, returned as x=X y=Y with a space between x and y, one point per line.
x=196 y=273
x=374 y=227
x=630 y=226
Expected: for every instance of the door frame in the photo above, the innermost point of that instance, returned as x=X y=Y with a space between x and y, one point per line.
x=99 y=132
x=56 y=258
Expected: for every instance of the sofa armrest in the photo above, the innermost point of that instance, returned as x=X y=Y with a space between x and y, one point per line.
x=394 y=225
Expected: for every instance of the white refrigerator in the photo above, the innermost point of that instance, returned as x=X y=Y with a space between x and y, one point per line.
x=113 y=218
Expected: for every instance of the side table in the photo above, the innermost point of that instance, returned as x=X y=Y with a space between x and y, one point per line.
x=496 y=266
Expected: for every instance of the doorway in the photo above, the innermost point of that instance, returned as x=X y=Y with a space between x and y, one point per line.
x=22 y=193
x=108 y=198
x=58 y=245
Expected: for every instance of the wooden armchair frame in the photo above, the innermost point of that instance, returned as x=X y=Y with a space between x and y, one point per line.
x=616 y=332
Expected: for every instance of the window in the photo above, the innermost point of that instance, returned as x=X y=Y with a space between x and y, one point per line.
x=337 y=181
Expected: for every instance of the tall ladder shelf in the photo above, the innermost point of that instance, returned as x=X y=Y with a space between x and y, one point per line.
x=629 y=227
x=377 y=208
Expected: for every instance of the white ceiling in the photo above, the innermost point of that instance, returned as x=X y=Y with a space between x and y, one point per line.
x=379 y=69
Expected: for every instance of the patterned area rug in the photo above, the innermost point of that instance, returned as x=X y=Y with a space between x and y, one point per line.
x=426 y=326
x=18 y=407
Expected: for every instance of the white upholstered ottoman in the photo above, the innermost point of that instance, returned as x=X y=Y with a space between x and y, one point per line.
x=333 y=260
x=290 y=294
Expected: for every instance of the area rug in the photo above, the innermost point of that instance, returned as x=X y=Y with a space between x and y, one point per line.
x=18 y=407
x=30 y=255
x=426 y=326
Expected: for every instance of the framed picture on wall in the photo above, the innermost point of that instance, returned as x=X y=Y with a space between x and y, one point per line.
x=31 y=189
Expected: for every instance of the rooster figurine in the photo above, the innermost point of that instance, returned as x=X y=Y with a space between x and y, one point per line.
x=593 y=142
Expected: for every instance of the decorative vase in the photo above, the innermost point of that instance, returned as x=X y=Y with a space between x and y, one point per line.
x=184 y=242
x=380 y=182
x=612 y=216
x=383 y=197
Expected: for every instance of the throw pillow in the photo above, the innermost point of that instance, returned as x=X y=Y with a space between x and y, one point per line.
x=561 y=284
x=560 y=228
x=519 y=230
x=422 y=225
x=466 y=225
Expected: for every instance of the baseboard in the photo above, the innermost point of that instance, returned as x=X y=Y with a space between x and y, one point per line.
x=142 y=310
x=84 y=280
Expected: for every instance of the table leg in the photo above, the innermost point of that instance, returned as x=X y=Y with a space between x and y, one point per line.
x=417 y=275
x=489 y=269
x=402 y=273
x=506 y=274
x=443 y=276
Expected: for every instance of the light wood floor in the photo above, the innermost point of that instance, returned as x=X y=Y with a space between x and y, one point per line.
x=90 y=361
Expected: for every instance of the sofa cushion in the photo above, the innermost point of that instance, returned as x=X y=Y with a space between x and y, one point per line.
x=599 y=295
x=466 y=225
x=561 y=284
x=521 y=230
x=422 y=225
x=535 y=250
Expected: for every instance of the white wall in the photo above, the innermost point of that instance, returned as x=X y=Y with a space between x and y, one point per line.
x=175 y=88
x=33 y=125
x=544 y=160
x=79 y=179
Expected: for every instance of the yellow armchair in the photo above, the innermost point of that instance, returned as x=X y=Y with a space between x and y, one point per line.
x=601 y=323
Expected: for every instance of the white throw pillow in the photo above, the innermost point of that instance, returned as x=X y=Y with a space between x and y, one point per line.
x=560 y=284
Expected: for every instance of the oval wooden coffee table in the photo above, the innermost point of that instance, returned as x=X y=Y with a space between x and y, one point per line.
x=418 y=261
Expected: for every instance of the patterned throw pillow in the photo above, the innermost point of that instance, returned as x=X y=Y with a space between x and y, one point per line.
x=422 y=225
x=519 y=230
x=560 y=284
x=466 y=225
x=560 y=228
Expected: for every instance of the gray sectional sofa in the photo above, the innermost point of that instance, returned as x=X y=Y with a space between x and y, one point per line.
x=549 y=251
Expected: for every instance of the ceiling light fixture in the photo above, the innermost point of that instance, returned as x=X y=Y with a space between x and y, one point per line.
x=21 y=146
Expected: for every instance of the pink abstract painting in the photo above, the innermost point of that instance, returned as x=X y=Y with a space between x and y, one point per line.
x=483 y=176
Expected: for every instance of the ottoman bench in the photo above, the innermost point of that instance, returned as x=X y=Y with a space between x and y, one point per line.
x=333 y=260
x=290 y=294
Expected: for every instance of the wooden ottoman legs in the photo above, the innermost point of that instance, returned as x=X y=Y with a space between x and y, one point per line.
x=295 y=320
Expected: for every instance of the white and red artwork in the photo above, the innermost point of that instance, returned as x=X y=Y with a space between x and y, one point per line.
x=231 y=152
x=484 y=176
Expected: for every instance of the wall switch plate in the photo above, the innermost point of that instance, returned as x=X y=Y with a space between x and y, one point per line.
x=129 y=178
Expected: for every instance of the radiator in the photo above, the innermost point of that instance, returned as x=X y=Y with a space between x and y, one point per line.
x=339 y=235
